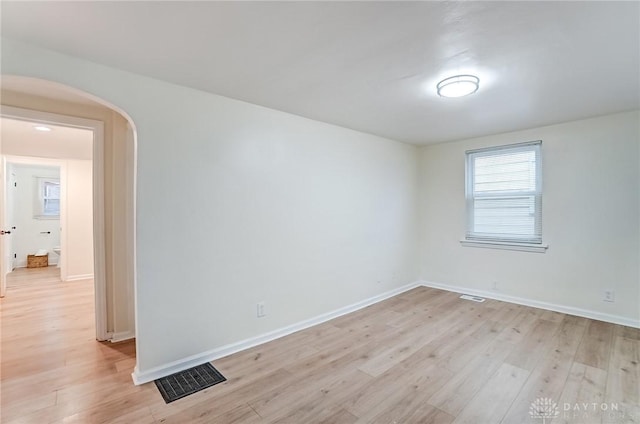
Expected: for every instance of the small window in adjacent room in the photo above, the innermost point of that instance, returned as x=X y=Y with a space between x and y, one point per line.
x=504 y=194
x=48 y=202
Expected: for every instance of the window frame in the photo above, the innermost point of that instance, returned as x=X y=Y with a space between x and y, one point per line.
x=42 y=198
x=503 y=241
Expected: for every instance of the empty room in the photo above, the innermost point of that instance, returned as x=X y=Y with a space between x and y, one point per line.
x=320 y=212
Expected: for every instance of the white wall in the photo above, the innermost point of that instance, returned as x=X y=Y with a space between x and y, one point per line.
x=79 y=220
x=238 y=204
x=591 y=218
x=28 y=236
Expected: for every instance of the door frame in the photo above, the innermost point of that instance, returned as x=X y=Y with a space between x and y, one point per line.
x=3 y=203
x=99 y=239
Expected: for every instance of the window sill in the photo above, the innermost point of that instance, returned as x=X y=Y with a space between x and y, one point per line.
x=522 y=247
x=46 y=217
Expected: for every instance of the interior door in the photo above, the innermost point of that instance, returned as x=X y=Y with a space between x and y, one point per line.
x=3 y=204
x=10 y=218
x=7 y=215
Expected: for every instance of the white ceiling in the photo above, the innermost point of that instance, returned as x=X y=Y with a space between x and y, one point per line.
x=370 y=66
x=19 y=138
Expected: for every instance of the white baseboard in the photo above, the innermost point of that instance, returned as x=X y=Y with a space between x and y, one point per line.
x=600 y=316
x=79 y=277
x=122 y=336
x=25 y=265
x=141 y=377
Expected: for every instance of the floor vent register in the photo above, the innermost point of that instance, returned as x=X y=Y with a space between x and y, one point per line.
x=187 y=382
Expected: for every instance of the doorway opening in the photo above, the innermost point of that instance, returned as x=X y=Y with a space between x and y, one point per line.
x=49 y=196
x=34 y=205
x=108 y=162
x=32 y=142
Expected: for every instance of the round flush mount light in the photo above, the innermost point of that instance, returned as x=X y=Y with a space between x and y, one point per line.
x=41 y=128
x=458 y=86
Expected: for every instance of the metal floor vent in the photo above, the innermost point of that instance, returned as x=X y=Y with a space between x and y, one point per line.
x=474 y=298
x=184 y=383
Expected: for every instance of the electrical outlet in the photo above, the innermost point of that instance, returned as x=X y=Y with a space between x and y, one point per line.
x=261 y=310
x=494 y=285
x=609 y=296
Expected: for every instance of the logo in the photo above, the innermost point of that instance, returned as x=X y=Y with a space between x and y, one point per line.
x=544 y=408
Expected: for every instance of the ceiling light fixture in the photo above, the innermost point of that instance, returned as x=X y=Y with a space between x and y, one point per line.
x=458 y=86
x=42 y=128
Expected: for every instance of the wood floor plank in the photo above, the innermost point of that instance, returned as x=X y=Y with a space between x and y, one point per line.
x=458 y=322
x=520 y=327
x=623 y=379
x=296 y=400
x=20 y=408
x=627 y=332
x=318 y=405
x=411 y=390
x=552 y=316
x=585 y=385
x=456 y=354
x=339 y=416
x=464 y=384
x=241 y=414
x=549 y=375
x=351 y=350
x=137 y=416
x=117 y=408
x=423 y=309
x=325 y=416
x=360 y=333
x=426 y=296
x=257 y=364
x=375 y=314
x=596 y=345
x=575 y=320
x=531 y=349
x=493 y=400
x=418 y=376
x=409 y=409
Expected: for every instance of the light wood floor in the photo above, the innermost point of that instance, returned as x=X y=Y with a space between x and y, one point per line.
x=421 y=357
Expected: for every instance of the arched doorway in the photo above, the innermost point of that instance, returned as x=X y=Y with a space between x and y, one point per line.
x=38 y=101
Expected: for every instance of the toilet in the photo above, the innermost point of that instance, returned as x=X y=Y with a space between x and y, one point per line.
x=57 y=251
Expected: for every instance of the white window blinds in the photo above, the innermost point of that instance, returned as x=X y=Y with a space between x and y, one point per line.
x=504 y=194
x=47 y=201
x=51 y=198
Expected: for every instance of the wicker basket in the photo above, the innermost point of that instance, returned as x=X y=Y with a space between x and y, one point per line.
x=34 y=261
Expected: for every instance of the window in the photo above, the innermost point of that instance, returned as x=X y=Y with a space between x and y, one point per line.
x=48 y=202
x=504 y=194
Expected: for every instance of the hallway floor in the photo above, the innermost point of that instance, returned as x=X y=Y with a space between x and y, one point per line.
x=53 y=369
